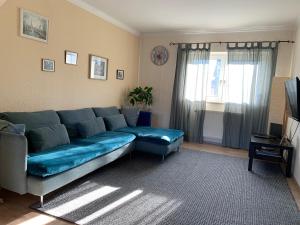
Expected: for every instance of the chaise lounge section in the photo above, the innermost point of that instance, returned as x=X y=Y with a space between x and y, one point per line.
x=155 y=140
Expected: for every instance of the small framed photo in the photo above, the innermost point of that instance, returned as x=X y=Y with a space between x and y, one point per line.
x=120 y=74
x=98 y=67
x=71 y=57
x=33 y=26
x=48 y=65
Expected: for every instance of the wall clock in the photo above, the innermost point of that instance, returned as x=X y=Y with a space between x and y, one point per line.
x=159 y=55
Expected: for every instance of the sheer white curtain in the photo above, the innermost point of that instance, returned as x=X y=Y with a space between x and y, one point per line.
x=188 y=101
x=196 y=77
x=249 y=77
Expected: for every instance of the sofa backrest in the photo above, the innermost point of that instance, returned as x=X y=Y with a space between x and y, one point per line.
x=106 y=111
x=70 y=118
x=32 y=120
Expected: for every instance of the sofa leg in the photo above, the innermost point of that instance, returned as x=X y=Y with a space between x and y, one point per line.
x=162 y=157
x=42 y=201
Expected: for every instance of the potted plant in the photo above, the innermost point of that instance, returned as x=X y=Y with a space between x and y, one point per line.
x=142 y=98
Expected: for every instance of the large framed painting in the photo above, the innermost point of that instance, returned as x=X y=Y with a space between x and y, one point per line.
x=98 y=67
x=33 y=26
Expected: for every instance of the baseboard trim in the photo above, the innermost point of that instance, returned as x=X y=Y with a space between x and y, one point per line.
x=212 y=140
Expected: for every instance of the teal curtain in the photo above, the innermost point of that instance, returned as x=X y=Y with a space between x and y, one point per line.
x=251 y=68
x=188 y=100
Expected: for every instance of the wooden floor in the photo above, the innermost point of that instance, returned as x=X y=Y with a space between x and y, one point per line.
x=15 y=209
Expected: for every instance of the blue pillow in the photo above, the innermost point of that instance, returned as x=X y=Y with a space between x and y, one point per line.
x=131 y=115
x=91 y=127
x=106 y=111
x=47 y=137
x=115 y=122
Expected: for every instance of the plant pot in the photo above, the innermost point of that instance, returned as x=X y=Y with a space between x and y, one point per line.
x=144 y=119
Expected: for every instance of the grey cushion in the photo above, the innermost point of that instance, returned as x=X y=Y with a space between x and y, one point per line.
x=32 y=120
x=70 y=118
x=115 y=122
x=91 y=127
x=48 y=137
x=131 y=115
x=12 y=128
x=106 y=111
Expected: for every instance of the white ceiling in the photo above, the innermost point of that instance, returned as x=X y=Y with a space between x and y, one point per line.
x=147 y=16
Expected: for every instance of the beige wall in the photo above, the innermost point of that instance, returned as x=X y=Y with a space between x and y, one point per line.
x=162 y=77
x=24 y=87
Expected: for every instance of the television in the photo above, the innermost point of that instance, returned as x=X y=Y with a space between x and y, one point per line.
x=292 y=90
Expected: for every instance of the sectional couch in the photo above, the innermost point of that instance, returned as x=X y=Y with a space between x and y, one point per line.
x=60 y=147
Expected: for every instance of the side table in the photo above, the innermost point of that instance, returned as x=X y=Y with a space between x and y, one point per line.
x=258 y=149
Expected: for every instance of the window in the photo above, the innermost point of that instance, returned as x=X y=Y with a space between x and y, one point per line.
x=221 y=82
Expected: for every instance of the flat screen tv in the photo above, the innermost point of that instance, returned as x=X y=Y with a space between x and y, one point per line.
x=292 y=90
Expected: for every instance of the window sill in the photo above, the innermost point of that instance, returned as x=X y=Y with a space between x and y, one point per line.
x=215 y=106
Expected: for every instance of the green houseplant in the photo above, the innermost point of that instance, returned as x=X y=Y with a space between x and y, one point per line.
x=141 y=97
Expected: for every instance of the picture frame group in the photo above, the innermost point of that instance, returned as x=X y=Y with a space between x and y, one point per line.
x=36 y=27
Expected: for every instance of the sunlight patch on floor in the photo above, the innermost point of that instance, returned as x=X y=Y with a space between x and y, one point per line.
x=81 y=201
x=38 y=220
x=109 y=207
x=143 y=210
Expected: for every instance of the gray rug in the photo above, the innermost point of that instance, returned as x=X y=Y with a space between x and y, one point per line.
x=189 y=188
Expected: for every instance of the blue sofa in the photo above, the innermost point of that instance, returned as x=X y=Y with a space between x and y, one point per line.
x=71 y=144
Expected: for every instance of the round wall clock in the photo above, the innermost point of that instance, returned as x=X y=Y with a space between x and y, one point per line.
x=159 y=55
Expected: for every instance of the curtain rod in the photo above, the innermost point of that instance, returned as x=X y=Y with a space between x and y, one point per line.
x=227 y=42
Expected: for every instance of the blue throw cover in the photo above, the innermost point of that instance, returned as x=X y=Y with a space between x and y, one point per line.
x=159 y=135
x=62 y=158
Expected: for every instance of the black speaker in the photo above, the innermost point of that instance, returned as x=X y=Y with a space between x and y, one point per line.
x=276 y=130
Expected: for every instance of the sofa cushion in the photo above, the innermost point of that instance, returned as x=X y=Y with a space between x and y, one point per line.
x=115 y=122
x=32 y=120
x=60 y=159
x=44 y=138
x=70 y=118
x=107 y=138
x=131 y=115
x=106 y=111
x=91 y=127
x=155 y=135
x=9 y=127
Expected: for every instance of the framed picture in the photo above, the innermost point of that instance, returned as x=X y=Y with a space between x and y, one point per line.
x=33 y=26
x=98 y=67
x=120 y=74
x=71 y=57
x=48 y=65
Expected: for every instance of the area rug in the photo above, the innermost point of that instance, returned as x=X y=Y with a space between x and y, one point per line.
x=189 y=187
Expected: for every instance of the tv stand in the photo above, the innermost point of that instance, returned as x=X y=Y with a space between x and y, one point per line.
x=273 y=150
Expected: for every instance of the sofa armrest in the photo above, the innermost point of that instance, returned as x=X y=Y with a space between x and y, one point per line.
x=13 y=162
